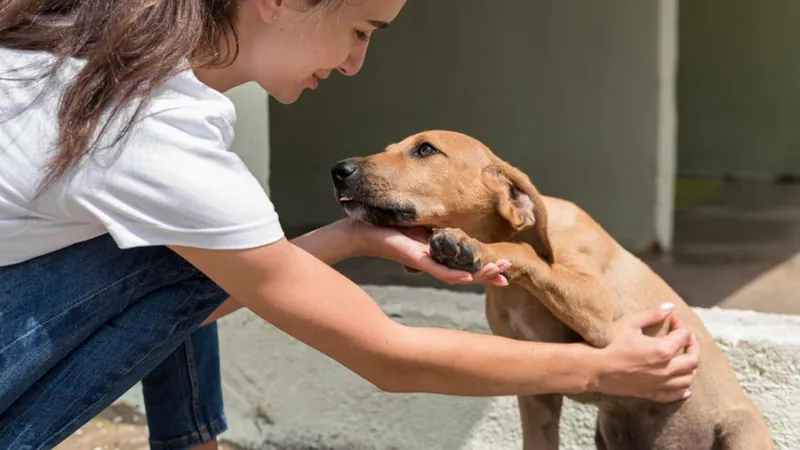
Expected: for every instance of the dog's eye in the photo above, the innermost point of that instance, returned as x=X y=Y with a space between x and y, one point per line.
x=425 y=150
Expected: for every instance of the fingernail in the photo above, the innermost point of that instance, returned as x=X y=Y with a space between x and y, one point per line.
x=667 y=307
x=687 y=394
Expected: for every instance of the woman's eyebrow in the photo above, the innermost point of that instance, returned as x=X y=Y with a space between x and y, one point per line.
x=378 y=23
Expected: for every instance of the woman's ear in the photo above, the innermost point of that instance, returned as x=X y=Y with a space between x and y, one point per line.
x=520 y=203
x=269 y=10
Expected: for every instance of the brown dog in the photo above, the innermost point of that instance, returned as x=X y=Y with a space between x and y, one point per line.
x=569 y=280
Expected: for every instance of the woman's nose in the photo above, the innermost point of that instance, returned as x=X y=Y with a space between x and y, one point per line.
x=352 y=65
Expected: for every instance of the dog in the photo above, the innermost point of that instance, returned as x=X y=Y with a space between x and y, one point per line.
x=569 y=281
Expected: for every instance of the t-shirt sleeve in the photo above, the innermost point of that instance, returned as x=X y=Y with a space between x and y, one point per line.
x=173 y=181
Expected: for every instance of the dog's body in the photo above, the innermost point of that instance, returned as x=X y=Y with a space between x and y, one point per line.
x=717 y=416
x=569 y=281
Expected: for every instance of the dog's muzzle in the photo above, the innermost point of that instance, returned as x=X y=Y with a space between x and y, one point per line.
x=345 y=172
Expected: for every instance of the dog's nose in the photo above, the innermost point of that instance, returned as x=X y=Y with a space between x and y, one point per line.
x=345 y=170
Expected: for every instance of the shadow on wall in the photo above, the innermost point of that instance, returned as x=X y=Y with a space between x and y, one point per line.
x=737 y=245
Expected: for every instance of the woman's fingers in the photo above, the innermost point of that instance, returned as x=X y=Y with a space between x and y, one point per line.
x=681 y=383
x=486 y=272
x=442 y=272
x=415 y=252
x=492 y=273
x=418 y=234
x=671 y=395
x=688 y=362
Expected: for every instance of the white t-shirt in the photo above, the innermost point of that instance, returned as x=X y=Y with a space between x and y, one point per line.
x=172 y=181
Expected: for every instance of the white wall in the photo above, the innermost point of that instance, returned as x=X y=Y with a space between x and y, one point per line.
x=666 y=141
x=252 y=141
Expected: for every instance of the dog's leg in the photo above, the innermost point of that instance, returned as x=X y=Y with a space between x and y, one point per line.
x=743 y=430
x=540 y=416
x=599 y=442
x=574 y=295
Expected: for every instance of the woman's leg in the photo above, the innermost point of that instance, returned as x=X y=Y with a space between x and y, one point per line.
x=82 y=325
x=183 y=395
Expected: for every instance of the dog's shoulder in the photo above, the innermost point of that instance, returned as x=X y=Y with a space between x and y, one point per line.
x=564 y=216
x=576 y=236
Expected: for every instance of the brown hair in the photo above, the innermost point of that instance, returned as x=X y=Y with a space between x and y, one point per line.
x=130 y=47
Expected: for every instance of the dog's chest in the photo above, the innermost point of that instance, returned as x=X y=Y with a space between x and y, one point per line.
x=513 y=312
x=519 y=324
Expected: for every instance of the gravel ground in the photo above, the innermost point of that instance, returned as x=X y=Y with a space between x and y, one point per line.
x=120 y=427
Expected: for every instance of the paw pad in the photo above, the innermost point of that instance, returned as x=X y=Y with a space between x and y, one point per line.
x=454 y=251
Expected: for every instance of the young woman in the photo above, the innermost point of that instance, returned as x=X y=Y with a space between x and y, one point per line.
x=125 y=223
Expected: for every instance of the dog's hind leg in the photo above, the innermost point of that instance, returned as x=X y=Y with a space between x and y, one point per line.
x=540 y=416
x=599 y=442
x=743 y=430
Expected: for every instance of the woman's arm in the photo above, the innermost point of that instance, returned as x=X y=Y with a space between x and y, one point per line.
x=301 y=295
x=346 y=239
x=330 y=244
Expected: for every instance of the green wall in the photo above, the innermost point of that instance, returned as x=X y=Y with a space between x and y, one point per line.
x=739 y=88
x=567 y=91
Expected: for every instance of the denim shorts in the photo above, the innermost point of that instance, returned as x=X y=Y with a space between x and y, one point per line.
x=82 y=325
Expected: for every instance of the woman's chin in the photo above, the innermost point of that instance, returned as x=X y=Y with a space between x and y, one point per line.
x=286 y=99
x=286 y=96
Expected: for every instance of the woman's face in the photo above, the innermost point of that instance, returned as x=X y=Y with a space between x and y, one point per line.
x=287 y=49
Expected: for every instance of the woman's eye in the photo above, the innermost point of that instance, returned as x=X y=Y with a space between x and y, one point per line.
x=425 y=150
x=362 y=36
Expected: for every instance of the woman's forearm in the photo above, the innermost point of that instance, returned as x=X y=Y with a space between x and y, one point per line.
x=488 y=365
x=330 y=244
x=326 y=311
x=434 y=360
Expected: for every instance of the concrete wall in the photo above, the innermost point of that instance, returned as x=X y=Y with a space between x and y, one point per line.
x=281 y=394
x=738 y=88
x=578 y=94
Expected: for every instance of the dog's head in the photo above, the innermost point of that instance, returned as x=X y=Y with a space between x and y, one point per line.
x=438 y=179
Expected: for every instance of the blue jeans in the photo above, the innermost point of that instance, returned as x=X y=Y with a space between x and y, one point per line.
x=81 y=326
x=183 y=395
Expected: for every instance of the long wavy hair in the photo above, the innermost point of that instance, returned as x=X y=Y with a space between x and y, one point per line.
x=131 y=47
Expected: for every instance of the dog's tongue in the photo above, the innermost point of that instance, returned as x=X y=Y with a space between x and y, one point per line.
x=345 y=198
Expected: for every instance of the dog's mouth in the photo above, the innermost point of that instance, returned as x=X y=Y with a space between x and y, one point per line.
x=367 y=209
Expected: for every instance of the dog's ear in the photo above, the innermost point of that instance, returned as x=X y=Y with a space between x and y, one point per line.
x=520 y=203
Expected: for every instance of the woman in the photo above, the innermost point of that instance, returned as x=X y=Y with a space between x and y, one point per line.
x=125 y=224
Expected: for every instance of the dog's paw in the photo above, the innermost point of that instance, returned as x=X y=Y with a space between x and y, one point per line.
x=453 y=248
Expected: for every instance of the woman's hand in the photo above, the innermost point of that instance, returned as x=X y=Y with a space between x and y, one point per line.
x=658 y=368
x=411 y=247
